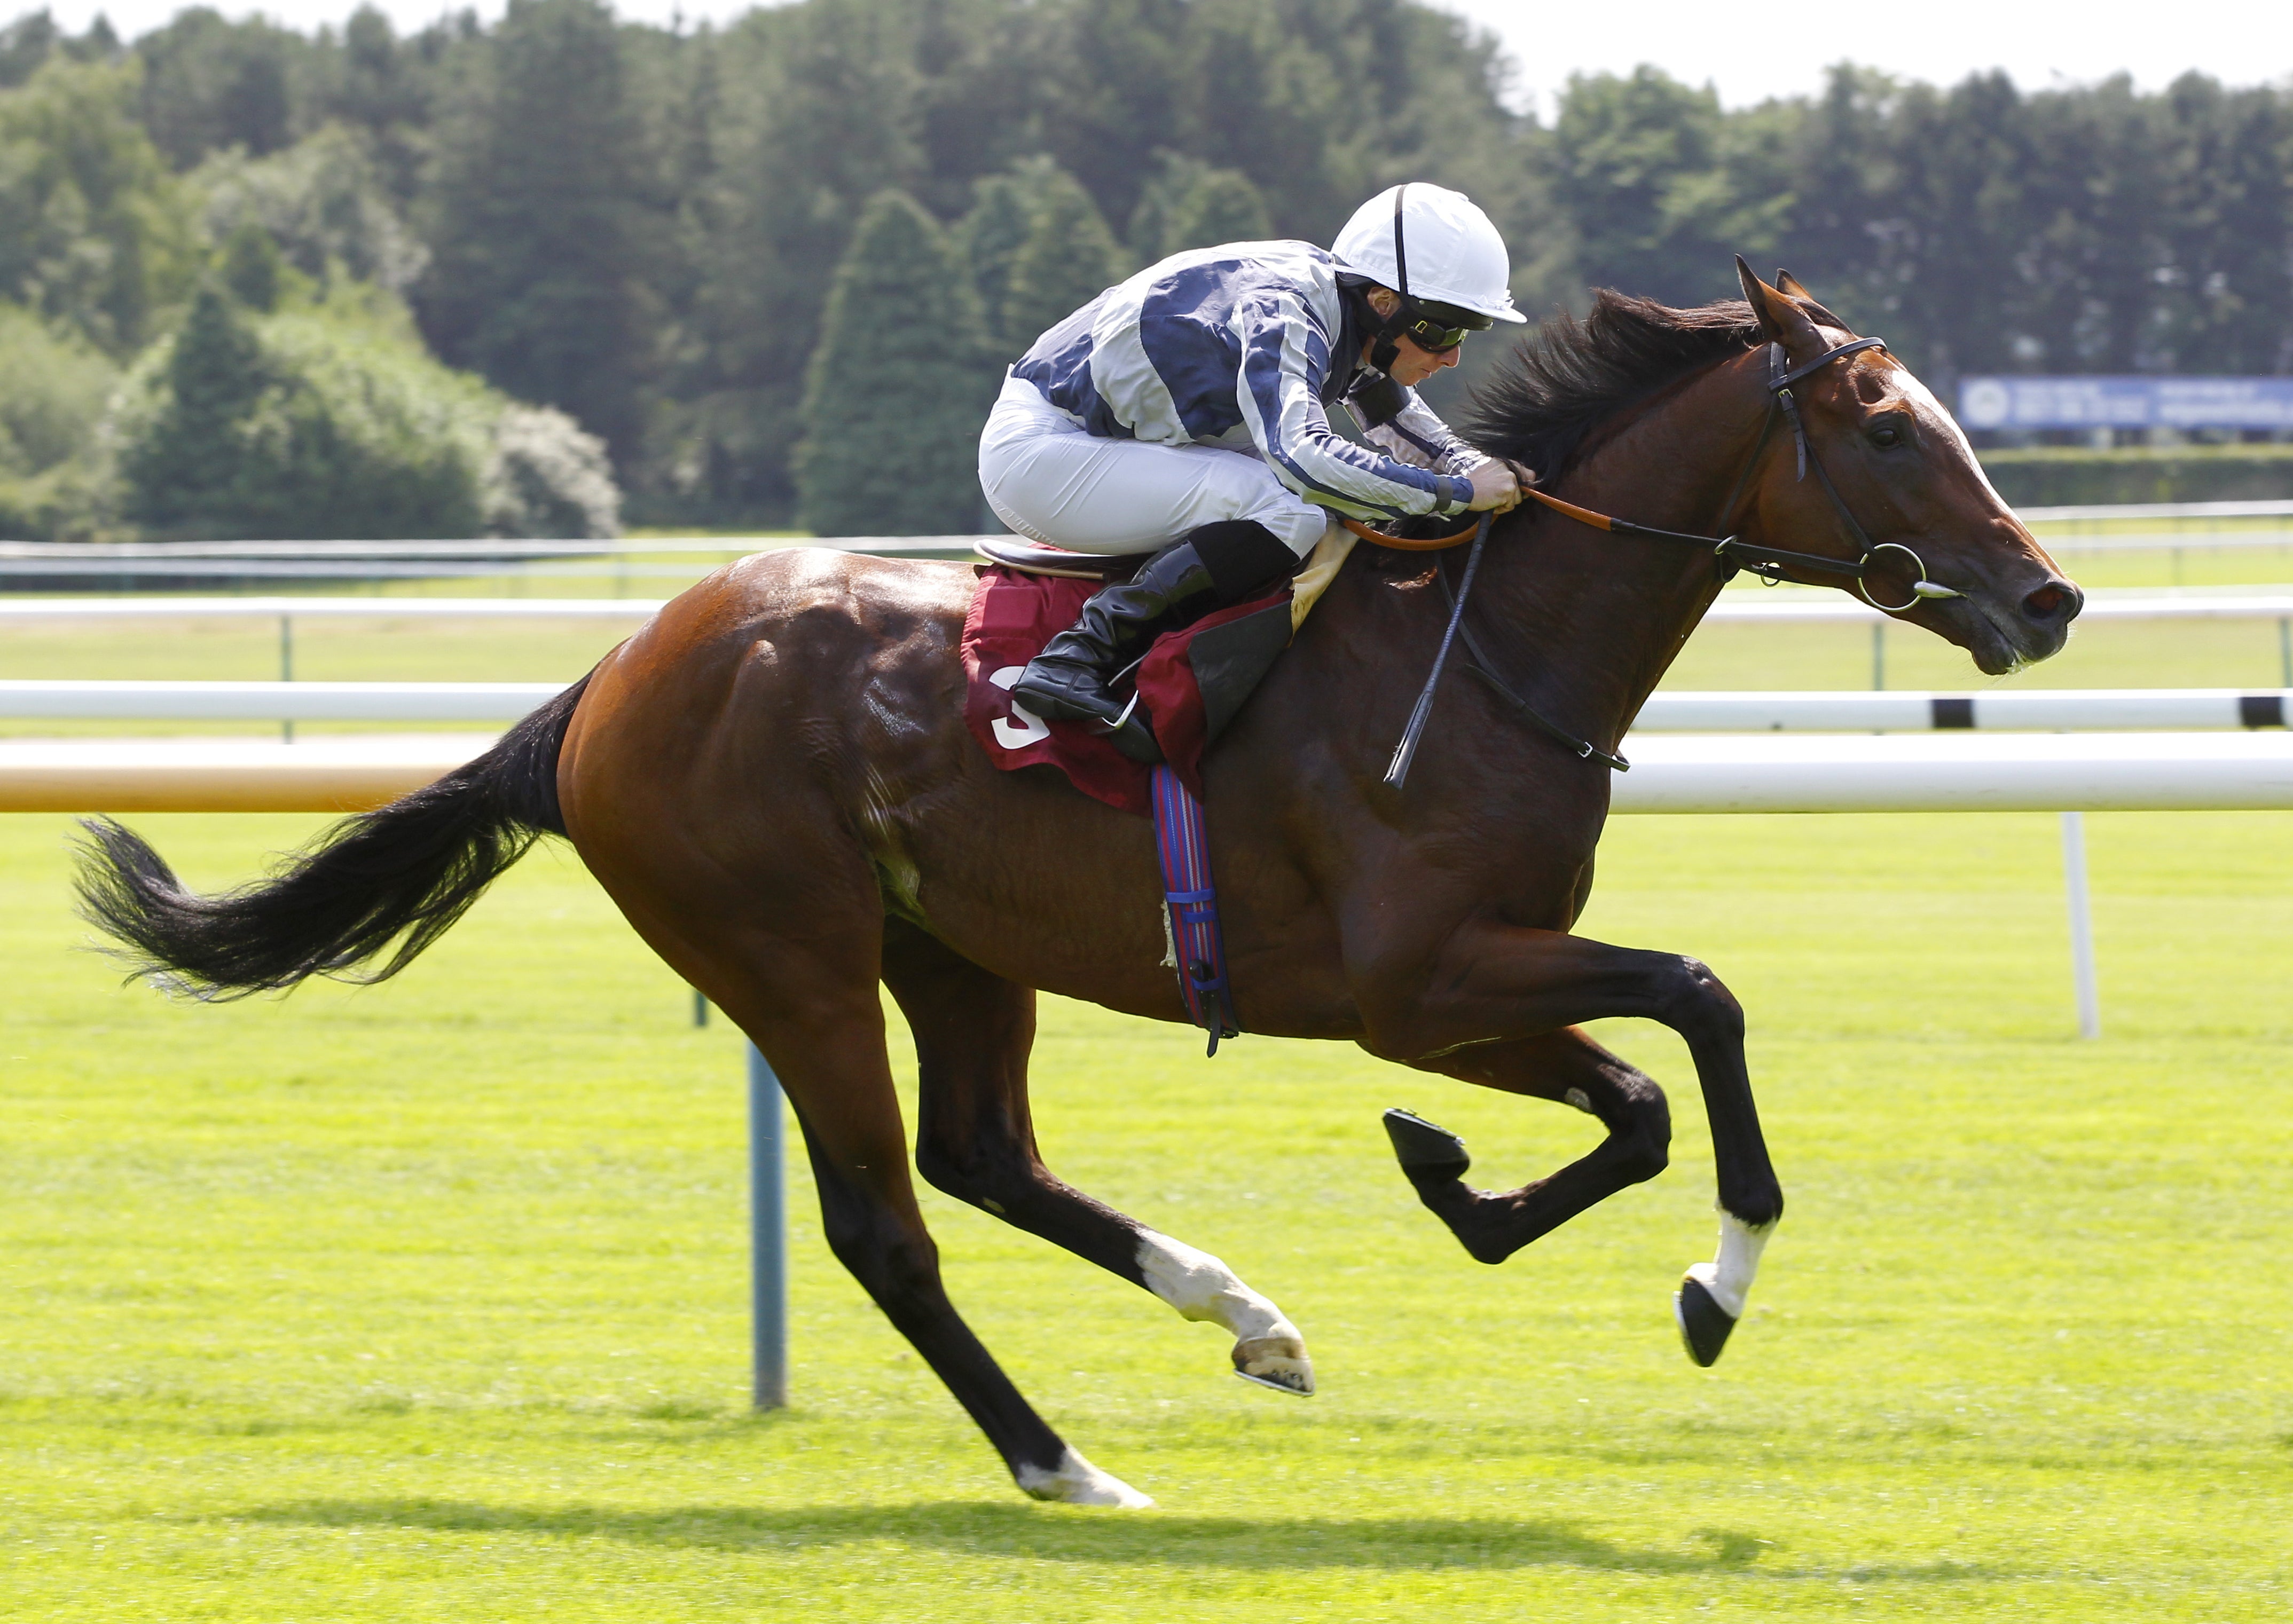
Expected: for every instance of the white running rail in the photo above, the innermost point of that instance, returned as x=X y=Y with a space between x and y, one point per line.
x=2038 y=709
x=1765 y=772
x=1786 y=607
x=1781 y=606
x=276 y=701
x=2069 y=773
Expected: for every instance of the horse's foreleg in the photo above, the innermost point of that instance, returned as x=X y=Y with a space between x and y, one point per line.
x=1499 y=985
x=1566 y=1067
x=976 y=1140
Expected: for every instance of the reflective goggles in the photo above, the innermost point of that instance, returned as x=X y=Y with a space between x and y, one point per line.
x=1438 y=329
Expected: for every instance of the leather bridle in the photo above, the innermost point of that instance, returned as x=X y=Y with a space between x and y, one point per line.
x=1771 y=565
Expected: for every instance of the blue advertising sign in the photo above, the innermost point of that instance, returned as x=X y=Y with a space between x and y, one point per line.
x=2114 y=403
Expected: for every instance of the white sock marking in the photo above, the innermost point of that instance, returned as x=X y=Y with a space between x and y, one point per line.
x=1078 y=1482
x=1729 y=1277
x=1201 y=1287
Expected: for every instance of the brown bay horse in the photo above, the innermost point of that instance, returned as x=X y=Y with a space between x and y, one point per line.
x=774 y=781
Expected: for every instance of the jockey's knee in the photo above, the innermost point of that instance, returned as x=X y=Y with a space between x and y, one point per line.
x=1244 y=557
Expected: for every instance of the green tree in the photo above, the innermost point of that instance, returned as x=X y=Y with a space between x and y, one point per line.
x=325 y=201
x=386 y=89
x=989 y=240
x=537 y=279
x=253 y=268
x=1068 y=259
x=26 y=45
x=1642 y=170
x=210 y=85
x=57 y=384
x=331 y=420
x=187 y=471
x=898 y=389
x=2225 y=292
x=54 y=387
x=93 y=231
x=1190 y=205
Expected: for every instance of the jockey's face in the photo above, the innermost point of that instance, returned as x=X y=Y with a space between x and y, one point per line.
x=1411 y=365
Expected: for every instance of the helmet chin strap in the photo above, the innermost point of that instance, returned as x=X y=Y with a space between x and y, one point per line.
x=1386 y=348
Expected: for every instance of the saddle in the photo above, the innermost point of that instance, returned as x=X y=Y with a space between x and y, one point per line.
x=1029 y=558
x=1195 y=679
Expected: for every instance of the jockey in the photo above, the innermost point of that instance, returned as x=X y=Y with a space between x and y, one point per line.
x=1185 y=413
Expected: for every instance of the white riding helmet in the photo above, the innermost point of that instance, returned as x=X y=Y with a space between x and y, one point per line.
x=1427 y=242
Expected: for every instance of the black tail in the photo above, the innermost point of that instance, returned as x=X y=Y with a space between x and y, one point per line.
x=409 y=869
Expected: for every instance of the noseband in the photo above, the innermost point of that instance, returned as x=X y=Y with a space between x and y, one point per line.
x=1771 y=565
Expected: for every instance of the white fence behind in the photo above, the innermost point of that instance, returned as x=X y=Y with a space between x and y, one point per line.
x=1784 y=606
x=2048 y=709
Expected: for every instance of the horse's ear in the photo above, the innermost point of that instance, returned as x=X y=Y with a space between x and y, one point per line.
x=1786 y=282
x=1758 y=294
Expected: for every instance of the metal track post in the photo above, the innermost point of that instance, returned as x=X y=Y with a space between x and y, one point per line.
x=287 y=670
x=767 y=1236
x=2082 y=976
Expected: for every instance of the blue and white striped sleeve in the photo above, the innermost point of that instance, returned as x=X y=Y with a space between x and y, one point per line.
x=1284 y=355
x=1418 y=436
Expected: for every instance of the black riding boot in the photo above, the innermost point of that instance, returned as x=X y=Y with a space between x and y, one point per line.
x=1217 y=564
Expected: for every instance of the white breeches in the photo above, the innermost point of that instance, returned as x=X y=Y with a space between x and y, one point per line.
x=1052 y=481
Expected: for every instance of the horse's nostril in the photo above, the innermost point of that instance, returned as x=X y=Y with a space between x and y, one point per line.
x=2055 y=600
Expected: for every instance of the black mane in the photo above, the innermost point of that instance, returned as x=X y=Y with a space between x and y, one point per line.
x=1556 y=388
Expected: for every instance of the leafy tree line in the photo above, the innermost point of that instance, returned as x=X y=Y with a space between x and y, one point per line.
x=777 y=267
x=227 y=351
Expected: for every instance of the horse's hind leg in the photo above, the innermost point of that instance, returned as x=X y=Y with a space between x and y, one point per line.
x=976 y=1140
x=831 y=1059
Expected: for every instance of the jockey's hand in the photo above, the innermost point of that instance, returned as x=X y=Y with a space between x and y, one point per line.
x=1495 y=488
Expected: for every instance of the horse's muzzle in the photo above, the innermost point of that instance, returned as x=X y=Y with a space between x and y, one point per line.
x=2025 y=629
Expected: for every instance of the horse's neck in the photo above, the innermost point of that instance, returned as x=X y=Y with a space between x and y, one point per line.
x=1593 y=619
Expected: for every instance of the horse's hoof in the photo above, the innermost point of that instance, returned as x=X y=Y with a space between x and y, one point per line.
x=1704 y=1324
x=1278 y=1362
x=1429 y=1155
x=1078 y=1482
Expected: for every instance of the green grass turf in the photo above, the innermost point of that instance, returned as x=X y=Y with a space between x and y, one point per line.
x=427 y=1302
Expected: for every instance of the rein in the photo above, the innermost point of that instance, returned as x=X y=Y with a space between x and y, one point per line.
x=1771 y=565
x=1768 y=564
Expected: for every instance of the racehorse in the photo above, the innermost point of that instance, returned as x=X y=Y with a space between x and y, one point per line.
x=774 y=781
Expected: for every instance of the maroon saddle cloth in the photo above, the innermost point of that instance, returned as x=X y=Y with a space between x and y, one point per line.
x=1192 y=682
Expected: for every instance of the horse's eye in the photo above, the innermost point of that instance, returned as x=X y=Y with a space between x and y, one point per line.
x=1886 y=434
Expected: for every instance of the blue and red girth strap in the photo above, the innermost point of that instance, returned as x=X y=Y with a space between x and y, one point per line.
x=1183 y=844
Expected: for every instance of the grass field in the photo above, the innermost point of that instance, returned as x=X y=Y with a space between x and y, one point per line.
x=427 y=1302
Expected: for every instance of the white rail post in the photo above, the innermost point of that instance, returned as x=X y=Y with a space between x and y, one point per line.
x=287 y=670
x=1879 y=655
x=2082 y=976
x=767 y=1237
